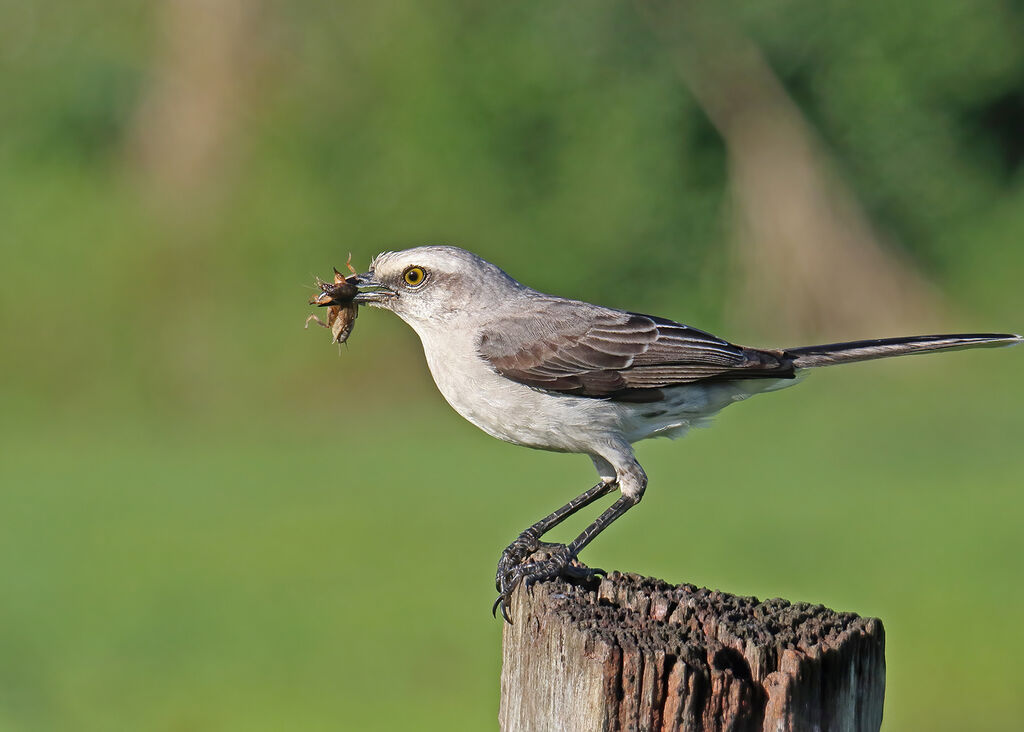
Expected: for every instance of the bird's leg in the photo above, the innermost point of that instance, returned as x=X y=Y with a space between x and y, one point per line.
x=561 y=558
x=529 y=541
x=614 y=511
x=513 y=559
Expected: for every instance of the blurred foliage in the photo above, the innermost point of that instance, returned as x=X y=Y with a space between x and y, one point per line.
x=161 y=559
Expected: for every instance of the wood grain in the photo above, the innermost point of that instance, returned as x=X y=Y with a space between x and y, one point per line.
x=635 y=653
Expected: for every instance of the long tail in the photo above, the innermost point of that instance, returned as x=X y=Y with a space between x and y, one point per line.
x=832 y=353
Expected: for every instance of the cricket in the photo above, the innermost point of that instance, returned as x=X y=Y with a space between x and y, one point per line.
x=337 y=297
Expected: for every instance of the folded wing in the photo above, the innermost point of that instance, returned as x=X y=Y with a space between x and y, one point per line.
x=585 y=350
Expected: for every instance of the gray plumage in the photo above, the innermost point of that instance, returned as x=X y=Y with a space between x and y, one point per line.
x=563 y=346
x=558 y=374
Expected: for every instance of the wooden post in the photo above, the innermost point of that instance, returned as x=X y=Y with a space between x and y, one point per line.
x=635 y=653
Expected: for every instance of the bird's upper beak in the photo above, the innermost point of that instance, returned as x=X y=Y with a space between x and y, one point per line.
x=371 y=291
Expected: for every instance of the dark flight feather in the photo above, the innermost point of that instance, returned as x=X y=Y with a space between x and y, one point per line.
x=590 y=351
x=833 y=353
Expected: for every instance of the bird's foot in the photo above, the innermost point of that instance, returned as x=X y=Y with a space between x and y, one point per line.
x=516 y=554
x=545 y=561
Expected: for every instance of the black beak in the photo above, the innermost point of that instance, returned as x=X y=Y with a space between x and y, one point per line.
x=371 y=291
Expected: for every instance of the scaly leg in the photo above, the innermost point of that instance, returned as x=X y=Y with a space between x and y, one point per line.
x=513 y=569
x=529 y=541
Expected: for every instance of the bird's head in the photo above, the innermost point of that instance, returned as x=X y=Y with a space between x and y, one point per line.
x=434 y=285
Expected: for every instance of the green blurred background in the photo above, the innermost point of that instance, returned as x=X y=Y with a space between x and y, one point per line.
x=211 y=520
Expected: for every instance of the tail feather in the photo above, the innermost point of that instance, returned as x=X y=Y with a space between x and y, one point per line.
x=833 y=353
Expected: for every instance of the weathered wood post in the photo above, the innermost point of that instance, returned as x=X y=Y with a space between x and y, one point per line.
x=635 y=653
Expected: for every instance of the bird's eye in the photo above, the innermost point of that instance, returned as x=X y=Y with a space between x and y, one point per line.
x=414 y=276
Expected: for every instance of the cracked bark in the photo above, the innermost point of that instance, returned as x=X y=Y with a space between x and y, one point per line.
x=635 y=653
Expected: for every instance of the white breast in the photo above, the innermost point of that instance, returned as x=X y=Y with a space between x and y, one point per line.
x=511 y=411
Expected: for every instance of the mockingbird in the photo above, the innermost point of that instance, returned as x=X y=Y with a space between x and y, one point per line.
x=557 y=374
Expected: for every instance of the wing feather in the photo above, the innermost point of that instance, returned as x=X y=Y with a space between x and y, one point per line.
x=575 y=348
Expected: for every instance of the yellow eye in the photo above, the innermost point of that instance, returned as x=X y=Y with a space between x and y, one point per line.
x=414 y=276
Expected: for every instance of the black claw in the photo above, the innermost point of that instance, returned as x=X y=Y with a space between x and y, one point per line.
x=502 y=602
x=580 y=571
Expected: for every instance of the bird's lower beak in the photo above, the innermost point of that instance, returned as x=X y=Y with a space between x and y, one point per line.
x=371 y=292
